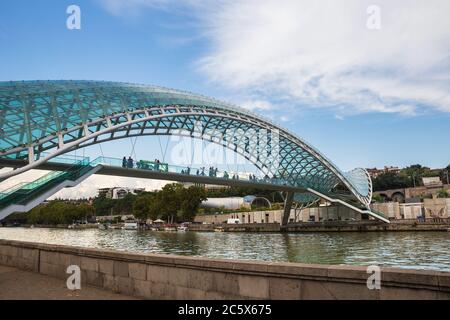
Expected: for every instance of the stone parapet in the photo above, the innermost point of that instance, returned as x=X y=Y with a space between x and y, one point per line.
x=154 y=276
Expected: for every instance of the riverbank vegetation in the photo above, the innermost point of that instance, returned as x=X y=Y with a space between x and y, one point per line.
x=408 y=177
x=56 y=212
x=172 y=203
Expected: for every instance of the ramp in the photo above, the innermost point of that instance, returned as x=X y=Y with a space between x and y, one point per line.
x=25 y=196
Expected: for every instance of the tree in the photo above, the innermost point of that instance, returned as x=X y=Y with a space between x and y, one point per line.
x=191 y=198
x=172 y=203
x=391 y=180
x=142 y=206
x=377 y=198
x=169 y=199
x=103 y=206
x=59 y=212
x=124 y=206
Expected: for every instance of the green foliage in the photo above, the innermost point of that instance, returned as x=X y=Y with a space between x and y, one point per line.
x=172 y=203
x=408 y=177
x=18 y=217
x=106 y=207
x=377 y=198
x=59 y=212
x=191 y=198
x=443 y=194
x=391 y=180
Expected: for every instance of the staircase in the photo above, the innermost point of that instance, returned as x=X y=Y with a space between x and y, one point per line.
x=25 y=196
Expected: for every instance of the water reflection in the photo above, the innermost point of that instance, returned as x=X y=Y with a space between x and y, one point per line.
x=425 y=250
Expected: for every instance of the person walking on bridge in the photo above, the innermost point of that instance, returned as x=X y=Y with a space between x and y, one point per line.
x=130 y=163
x=124 y=162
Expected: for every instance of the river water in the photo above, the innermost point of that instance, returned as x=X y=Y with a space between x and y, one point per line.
x=416 y=250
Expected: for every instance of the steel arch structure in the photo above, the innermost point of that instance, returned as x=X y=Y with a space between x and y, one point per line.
x=61 y=116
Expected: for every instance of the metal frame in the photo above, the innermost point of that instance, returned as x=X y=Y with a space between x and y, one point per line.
x=61 y=116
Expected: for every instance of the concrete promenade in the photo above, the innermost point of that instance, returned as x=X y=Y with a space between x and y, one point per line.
x=171 y=277
x=17 y=284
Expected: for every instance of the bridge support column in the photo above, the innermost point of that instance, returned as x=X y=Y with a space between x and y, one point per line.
x=287 y=208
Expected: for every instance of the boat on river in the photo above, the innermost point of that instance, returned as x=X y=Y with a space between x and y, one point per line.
x=103 y=226
x=170 y=227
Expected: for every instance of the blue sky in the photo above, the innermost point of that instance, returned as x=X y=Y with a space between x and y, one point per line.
x=363 y=97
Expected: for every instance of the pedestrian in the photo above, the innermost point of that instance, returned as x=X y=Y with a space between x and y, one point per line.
x=124 y=162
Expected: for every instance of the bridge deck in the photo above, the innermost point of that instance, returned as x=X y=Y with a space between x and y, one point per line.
x=158 y=175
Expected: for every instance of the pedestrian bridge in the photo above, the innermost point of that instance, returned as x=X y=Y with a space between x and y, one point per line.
x=42 y=120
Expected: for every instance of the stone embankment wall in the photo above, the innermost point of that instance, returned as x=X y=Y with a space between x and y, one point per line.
x=175 y=277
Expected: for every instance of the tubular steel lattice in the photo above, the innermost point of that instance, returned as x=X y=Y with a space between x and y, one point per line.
x=60 y=116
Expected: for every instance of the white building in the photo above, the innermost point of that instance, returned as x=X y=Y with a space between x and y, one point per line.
x=118 y=192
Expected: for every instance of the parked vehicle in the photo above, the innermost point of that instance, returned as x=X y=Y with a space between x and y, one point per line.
x=130 y=225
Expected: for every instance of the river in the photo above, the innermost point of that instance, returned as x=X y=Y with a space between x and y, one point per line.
x=416 y=250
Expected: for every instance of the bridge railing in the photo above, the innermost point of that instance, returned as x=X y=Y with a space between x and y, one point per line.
x=67 y=159
x=193 y=171
x=167 y=168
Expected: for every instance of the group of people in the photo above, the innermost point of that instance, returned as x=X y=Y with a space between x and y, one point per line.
x=186 y=171
x=212 y=172
x=128 y=163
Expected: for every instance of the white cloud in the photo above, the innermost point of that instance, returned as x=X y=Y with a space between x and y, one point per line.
x=257 y=105
x=321 y=54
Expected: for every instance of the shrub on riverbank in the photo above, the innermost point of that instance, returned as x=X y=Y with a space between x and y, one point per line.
x=60 y=212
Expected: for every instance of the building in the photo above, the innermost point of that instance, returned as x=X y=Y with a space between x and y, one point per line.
x=432 y=186
x=434 y=208
x=391 y=209
x=208 y=187
x=411 y=210
x=374 y=172
x=315 y=214
x=235 y=203
x=118 y=192
x=432 y=182
x=437 y=208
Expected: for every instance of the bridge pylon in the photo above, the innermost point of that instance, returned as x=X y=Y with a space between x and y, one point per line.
x=287 y=208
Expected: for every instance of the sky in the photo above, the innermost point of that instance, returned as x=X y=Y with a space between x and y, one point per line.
x=367 y=86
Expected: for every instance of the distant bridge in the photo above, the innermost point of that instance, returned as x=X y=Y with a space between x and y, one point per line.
x=42 y=120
